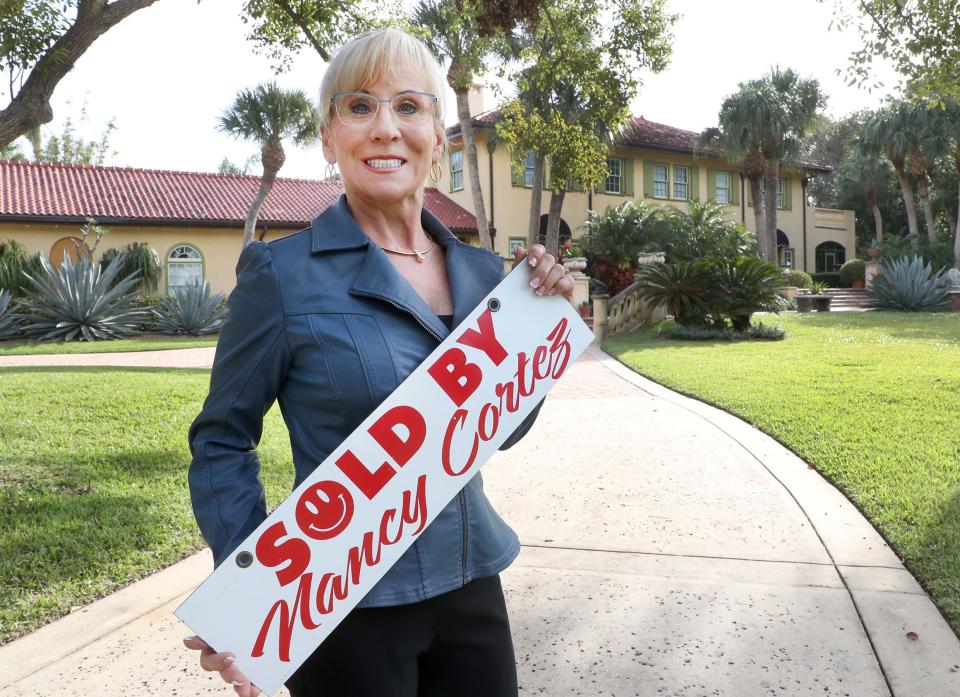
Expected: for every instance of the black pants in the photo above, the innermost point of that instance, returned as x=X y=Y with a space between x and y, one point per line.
x=453 y=645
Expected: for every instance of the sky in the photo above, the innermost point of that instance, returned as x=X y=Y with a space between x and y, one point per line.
x=167 y=72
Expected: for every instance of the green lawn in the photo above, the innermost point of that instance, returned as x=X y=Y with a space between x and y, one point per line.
x=871 y=399
x=93 y=488
x=146 y=342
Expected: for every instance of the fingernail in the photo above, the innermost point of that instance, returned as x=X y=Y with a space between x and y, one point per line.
x=552 y=291
x=532 y=261
x=539 y=291
x=534 y=282
x=237 y=683
x=189 y=638
x=229 y=660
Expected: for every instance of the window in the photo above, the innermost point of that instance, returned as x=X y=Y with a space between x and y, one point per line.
x=614 y=183
x=788 y=258
x=528 y=166
x=661 y=182
x=780 y=192
x=680 y=179
x=184 y=266
x=830 y=257
x=456 y=170
x=514 y=243
x=723 y=187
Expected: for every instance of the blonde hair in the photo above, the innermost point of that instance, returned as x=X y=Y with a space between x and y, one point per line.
x=373 y=54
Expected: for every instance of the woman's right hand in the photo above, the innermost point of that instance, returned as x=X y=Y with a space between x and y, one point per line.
x=224 y=664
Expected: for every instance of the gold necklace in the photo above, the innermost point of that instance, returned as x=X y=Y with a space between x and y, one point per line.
x=414 y=253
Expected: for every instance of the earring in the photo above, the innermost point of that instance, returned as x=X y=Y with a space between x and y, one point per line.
x=330 y=174
x=435 y=172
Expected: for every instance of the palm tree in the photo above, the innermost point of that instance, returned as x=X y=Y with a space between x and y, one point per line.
x=762 y=125
x=931 y=141
x=888 y=133
x=268 y=114
x=452 y=36
x=950 y=123
x=863 y=173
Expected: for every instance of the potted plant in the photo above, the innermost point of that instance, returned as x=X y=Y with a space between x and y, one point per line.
x=853 y=273
x=873 y=249
x=815 y=298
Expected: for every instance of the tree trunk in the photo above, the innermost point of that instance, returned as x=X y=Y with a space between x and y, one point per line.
x=273 y=158
x=553 y=222
x=908 y=201
x=758 y=218
x=473 y=168
x=536 y=200
x=870 y=193
x=923 y=188
x=31 y=106
x=770 y=208
x=956 y=237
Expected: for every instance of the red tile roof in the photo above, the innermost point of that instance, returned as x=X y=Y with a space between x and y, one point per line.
x=124 y=195
x=638 y=132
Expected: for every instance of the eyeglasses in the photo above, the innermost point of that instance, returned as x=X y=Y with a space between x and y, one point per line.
x=358 y=108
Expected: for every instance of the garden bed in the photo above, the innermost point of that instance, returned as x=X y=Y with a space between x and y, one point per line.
x=141 y=342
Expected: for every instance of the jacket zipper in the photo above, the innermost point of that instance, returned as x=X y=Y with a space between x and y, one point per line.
x=399 y=307
x=463 y=525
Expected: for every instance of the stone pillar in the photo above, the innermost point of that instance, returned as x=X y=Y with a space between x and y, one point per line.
x=581 y=282
x=651 y=315
x=600 y=316
x=871 y=269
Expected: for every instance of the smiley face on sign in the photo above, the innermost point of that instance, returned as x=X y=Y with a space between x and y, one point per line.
x=324 y=510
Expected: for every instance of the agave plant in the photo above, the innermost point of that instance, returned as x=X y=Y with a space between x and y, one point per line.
x=910 y=285
x=76 y=301
x=9 y=317
x=678 y=287
x=190 y=310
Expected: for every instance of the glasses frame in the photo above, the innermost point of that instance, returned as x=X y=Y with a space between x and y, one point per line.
x=378 y=102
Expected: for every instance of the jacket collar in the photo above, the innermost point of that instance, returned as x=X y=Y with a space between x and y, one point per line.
x=470 y=272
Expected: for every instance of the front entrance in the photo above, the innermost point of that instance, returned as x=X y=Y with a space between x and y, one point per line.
x=830 y=257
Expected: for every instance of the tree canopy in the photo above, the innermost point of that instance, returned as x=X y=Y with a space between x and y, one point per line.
x=921 y=38
x=40 y=40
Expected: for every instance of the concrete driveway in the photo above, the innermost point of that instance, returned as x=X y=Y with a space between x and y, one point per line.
x=669 y=549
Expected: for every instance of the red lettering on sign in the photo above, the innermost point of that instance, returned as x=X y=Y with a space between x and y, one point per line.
x=384 y=432
x=324 y=510
x=485 y=340
x=295 y=551
x=370 y=483
x=456 y=422
x=456 y=376
x=561 y=347
x=333 y=586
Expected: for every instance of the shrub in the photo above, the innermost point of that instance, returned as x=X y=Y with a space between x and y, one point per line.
x=761 y=332
x=76 y=300
x=9 y=317
x=190 y=310
x=620 y=233
x=831 y=278
x=147 y=303
x=740 y=286
x=613 y=277
x=852 y=270
x=939 y=253
x=674 y=286
x=13 y=263
x=798 y=279
x=137 y=257
x=910 y=285
x=705 y=230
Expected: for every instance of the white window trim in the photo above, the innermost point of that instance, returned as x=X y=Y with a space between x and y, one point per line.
x=717 y=188
x=685 y=182
x=618 y=176
x=529 y=164
x=665 y=182
x=455 y=172
x=169 y=262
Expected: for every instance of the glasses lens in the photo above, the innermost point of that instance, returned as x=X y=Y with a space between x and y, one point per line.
x=412 y=108
x=355 y=107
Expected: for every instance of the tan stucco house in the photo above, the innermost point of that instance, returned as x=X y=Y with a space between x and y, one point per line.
x=193 y=220
x=657 y=164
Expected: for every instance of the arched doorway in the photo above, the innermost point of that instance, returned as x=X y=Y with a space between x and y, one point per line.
x=830 y=256
x=73 y=246
x=785 y=253
x=565 y=233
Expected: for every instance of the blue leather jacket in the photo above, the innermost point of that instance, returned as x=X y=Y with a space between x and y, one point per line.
x=322 y=322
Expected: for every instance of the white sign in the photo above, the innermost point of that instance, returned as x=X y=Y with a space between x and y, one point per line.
x=313 y=559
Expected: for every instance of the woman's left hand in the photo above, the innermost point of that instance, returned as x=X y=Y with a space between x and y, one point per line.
x=548 y=276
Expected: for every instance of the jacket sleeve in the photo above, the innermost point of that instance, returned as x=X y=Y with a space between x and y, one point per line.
x=249 y=367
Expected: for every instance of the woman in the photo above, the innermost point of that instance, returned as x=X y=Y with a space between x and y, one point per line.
x=329 y=321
